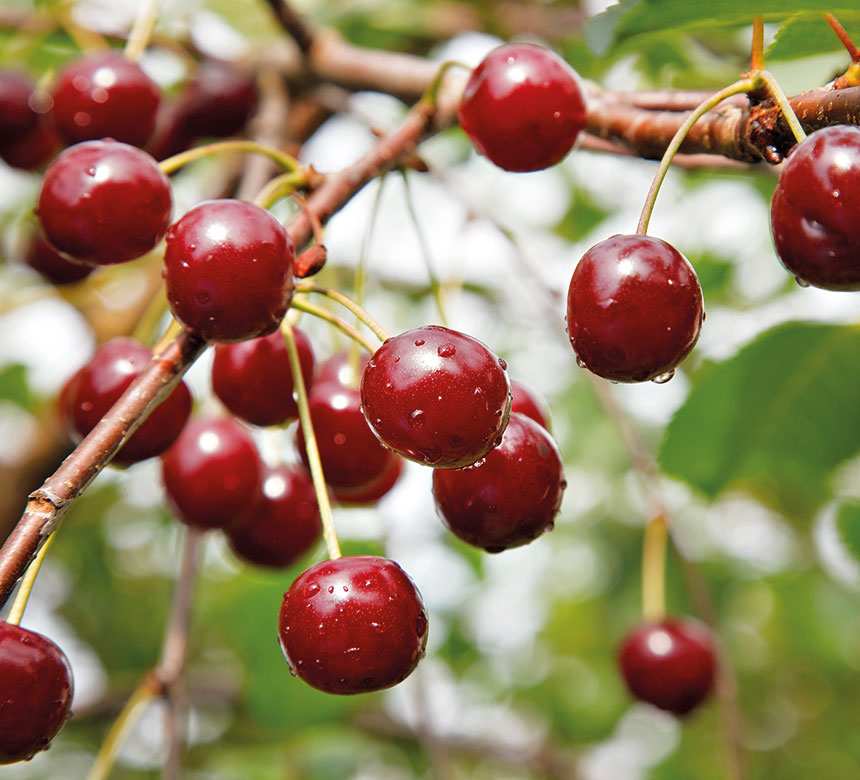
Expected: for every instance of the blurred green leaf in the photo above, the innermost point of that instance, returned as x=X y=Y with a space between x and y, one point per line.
x=14 y=386
x=806 y=35
x=848 y=523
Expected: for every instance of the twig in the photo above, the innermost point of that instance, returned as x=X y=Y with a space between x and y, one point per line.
x=294 y=24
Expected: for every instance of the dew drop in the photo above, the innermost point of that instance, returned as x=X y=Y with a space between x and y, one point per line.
x=388 y=388
x=397 y=359
x=801 y=282
x=419 y=342
x=416 y=418
x=503 y=365
x=312 y=589
x=346 y=588
x=580 y=362
x=421 y=624
x=661 y=379
x=446 y=350
x=331 y=588
x=563 y=484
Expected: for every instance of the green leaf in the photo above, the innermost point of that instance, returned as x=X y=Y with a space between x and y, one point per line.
x=14 y=387
x=848 y=524
x=807 y=35
x=775 y=419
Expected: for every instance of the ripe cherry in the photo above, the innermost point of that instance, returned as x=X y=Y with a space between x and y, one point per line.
x=372 y=491
x=670 y=663
x=436 y=396
x=213 y=474
x=342 y=367
x=104 y=95
x=525 y=401
x=32 y=149
x=35 y=692
x=90 y=393
x=353 y=625
x=509 y=497
x=634 y=309
x=41 y=256
x=104 y=202
x=228 y=268
x=814 y=210
x=17 y=115
x=523 y=107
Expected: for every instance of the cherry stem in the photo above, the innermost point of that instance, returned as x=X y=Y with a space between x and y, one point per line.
x=744 y=85
x=345 y=301
x=16 y=611
x=431 y=94
x=757 y=55
x=654 y=568
x=344 y=327
x=172 y=164
x=141 y=31
x=784 y=106
x=280 y=187
x=311 y=448
x=846 y=41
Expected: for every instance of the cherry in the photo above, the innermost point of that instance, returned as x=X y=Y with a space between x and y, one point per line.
x=284 y=525
x=253 y=378
x=341 y=367
x=90 y=393
x=436 y=396
x=353 y=625
x=374 y=490
x=104 y=202
x=525 y=401
x=213 y=473
x=33 y=148
x=104 y=95
x=228 y=268
x=669 y=663
x=523 y=107
x=814 y=210
x=35 y=692
x=17 y=115
x=41 y=256
x=509 y=497
x=634 y=309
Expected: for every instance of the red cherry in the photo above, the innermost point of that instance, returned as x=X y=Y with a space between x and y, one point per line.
x=104 y=202
x=523 y=107
x=374 y=490
x=17 y=116
x=32 y=149
x=35 y=692
x=353 y=625
x=634 y=309
x=436 y=396
x=670 y=664
x=104 y=95
x=341 y=367
x=527 y=402
x=218 y=101
x=228 y=268
x=41 y=256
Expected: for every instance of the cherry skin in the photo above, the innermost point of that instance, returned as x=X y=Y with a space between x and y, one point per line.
x=523 y=107
x=508 y=498
x=35 y=692
x=90 y=393
x=213 y=474
x=525 y=401
x=228 y=269
x=34 y=148
x=41 y=256
x=814 y=210
x=104 y=95
x=670 y=663
x=17 y=116
x=372 y=491
x=104 y=202
x=436 y=396
x=285 y=524
x=339 y=368
x=353 y=625
x=634 y=309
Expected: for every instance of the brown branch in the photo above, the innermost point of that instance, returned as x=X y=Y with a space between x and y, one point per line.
x=293 y=23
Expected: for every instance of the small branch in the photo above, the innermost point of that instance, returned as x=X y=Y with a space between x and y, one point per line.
x=293 y=24
x=141 y=31
x=843 y=36
x=344 y=327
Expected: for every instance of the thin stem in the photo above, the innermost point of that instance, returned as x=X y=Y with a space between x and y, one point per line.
x=757 y=56
x=141 y=31
x=431 y=94
x=846 y=41
x=345 y=301
x=172 y=164
x=654 y=568
x=311 y=447
x=784 y=106
x=744 y=85
x=360 y=282
x=344 y=327
x=280 y=187
x=16 y=611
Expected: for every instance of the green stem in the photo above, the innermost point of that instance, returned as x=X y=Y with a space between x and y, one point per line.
x=172 y=164
x=306 y=286
x=784 y=106
x=431 y=94
x=654 y=569
x=141 y=31
x=16 y=611
x=344 y=327
x=280 y=187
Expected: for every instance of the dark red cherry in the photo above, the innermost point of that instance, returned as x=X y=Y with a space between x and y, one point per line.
x=218 y=101
x=342 y=367
x=32 y=149
x=353 y=625
x=41 y=256
x=814 y=209
x=510 y=496
x=634 y=309
x=284 y=525
x=17 y=114
x=90 y=393
x=523 y=107
x=525 y=401
x=35 y=692
x=104 y=202
x=213 y=473
x=670 y=664
x=374 y=490
x=229 y=270
x=104 y=95
x=436 y=396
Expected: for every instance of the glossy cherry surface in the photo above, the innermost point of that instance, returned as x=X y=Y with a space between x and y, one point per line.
x=634 y=309
x=285 y=524
x=372 y=491
x=218 y=101
x=670 y=664
x=35 y=692
x=436 y=396
x=213 y=473
x=526 y=401
x=253 y=378
x=228 y=268
x=41 y=256
x=17 y=115
x=104 y=202
x=90 y=393
x=104 y=95
x=814 y=209
x=523 y=107
x=353 y=625
x=510 y=496
x=32 y=149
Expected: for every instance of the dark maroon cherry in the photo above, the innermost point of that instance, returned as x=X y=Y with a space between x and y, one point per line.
x=353 y=625
x=510 y=496
x=213 y=473
x=523 y=107
x=41 y=256
x=104 y=95
x=374 y=490
x=253 y=378
x=436 y=396
x=634 y=309
x=670 y=664
x=814 y=210
x=32 y=149
x=218 y=101
x=285 y=524
x=17 y=114
x=229 y=270
x=525 y=401
x=90 y=393
x=35 y=692
x=104 y=202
